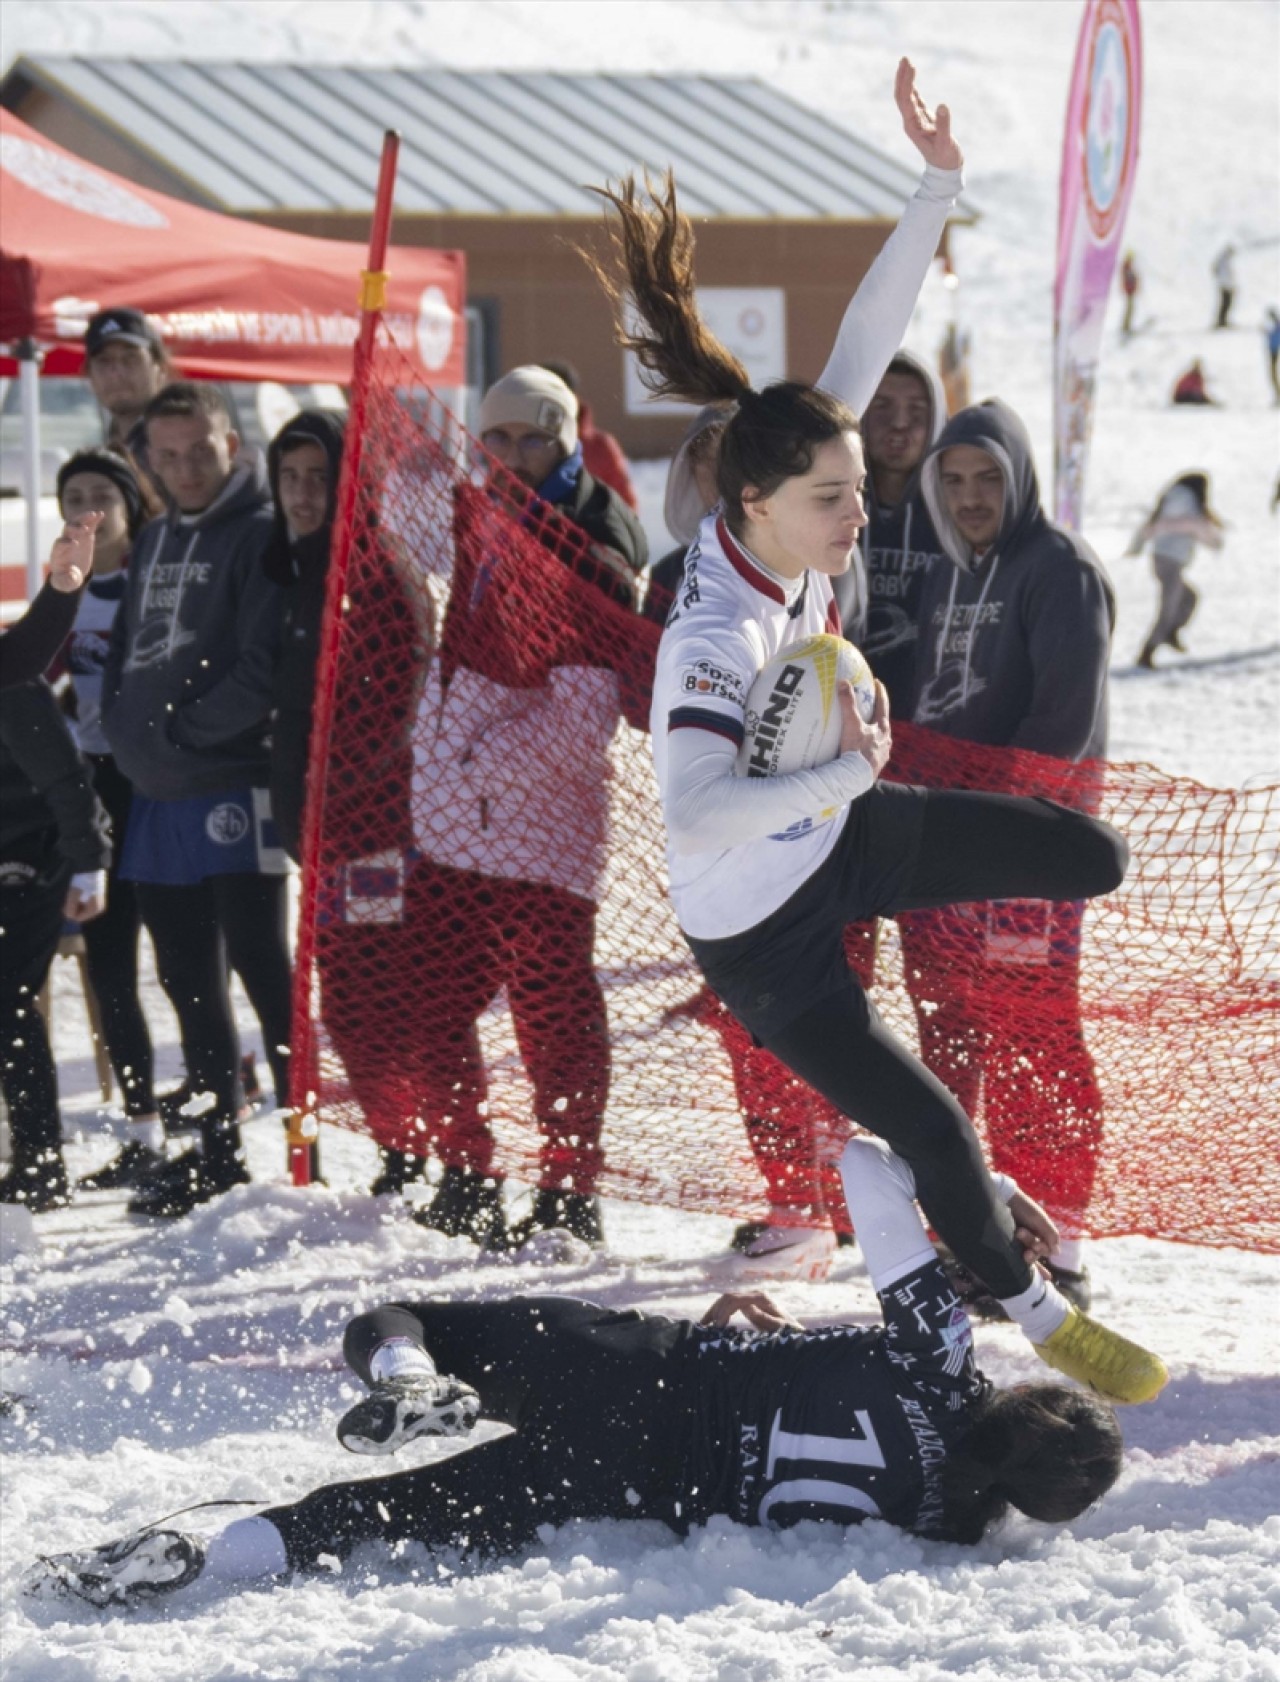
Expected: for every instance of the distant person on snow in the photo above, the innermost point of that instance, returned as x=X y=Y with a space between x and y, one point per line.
x=1130 y=285
x=1224 y=274
x=1271 y=331
x=602 y=455
x=1191 y=388
x=684 y=1421
x=1180 y=519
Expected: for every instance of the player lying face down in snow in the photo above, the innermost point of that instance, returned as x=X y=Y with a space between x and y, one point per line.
x=766 y=871
x=769 y=1426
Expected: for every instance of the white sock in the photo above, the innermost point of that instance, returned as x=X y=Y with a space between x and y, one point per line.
x=1069 y=1254
x=247 y=1549
x=400 y=1357
x=1039 y=1310
x=148 y=1131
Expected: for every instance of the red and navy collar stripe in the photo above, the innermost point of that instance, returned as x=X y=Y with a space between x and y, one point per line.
x=745 y=567
x=702 y=718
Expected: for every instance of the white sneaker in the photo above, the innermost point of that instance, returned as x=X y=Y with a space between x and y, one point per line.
x=124 y=1573
x=783 y=1252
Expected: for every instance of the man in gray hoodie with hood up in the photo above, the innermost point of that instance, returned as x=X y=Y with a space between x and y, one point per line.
x=1014 y=644
x=186 y=703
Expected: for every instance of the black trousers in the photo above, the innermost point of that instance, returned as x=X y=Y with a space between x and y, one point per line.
x=599 y=1405
x=788 y=981
x=30 y=928
x=239 y=919
x=111 y=954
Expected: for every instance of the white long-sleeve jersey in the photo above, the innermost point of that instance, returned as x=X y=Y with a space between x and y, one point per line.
x=879 y=312
x=737 y=847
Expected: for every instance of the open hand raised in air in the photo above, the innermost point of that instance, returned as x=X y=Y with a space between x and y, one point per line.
x=928 y=131
x=71 y=558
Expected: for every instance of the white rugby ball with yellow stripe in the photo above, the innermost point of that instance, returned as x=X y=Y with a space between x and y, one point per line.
x=793 y=718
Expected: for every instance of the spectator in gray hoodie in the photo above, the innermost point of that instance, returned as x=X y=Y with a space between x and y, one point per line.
x=1014 y=644
x=186 y=703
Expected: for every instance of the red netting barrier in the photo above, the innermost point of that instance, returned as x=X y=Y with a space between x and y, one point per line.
x=495 y=978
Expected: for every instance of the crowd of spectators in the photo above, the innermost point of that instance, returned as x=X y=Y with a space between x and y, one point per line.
x=168 y=790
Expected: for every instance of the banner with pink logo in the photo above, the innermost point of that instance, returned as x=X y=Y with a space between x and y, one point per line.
x=1099 y=163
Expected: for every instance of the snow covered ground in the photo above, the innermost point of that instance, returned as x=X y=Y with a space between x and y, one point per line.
x=166 y=1365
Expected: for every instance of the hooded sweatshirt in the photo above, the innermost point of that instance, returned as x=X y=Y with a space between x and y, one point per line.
x=898 y=546
x=1014 y=643
x=186 y=691
x=367 y=780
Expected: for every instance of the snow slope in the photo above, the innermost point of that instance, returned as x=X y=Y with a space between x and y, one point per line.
x=172 y=1364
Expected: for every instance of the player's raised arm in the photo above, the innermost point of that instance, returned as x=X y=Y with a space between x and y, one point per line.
x=879 y=313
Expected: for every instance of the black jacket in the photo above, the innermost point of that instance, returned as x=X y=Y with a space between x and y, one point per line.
x=897 y=548
x=29 y=645
x=49 y=815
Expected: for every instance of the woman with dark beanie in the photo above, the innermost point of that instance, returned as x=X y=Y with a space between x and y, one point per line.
x=105 y=481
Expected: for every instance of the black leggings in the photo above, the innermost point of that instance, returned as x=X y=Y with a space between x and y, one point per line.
x=111 y=954
x=30 y=929
x=241 y=920
x=788 y=980
x=597 y=1403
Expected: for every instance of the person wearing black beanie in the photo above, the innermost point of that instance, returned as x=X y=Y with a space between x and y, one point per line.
x=105 y=481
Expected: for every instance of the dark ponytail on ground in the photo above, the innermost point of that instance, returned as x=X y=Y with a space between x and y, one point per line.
x=1049 y=1450
x=770 y=435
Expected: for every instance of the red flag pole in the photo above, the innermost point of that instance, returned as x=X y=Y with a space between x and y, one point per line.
x=304 y=1073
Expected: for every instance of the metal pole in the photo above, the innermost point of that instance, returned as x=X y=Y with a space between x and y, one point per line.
x=28 y=357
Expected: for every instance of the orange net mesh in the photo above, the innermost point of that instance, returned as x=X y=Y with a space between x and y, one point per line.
x=491 y=974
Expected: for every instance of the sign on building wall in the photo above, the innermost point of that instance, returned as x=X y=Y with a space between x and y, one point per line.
x=751 y=321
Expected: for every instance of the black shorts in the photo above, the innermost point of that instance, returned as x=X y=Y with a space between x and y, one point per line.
x=773 y=972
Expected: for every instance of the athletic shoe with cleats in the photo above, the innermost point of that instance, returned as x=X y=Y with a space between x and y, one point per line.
x=124 y=1574
x=1102 y=1360
x=134 y=1165
x=784 y=1252
x=397 y=1410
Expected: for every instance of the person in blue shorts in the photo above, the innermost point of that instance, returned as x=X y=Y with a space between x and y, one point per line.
x=186 y=701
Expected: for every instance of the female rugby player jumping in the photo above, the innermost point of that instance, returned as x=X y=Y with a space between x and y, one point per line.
x=766 y=872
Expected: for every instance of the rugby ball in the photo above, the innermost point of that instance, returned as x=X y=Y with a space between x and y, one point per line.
x=793 y=718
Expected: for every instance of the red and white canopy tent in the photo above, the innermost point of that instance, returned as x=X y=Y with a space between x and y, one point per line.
x=233 y=299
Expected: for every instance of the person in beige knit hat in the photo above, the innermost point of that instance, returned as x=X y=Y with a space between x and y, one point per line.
x=529 y=422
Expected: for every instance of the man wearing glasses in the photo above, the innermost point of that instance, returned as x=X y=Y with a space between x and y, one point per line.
x=511 y=784
x=529 y=427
